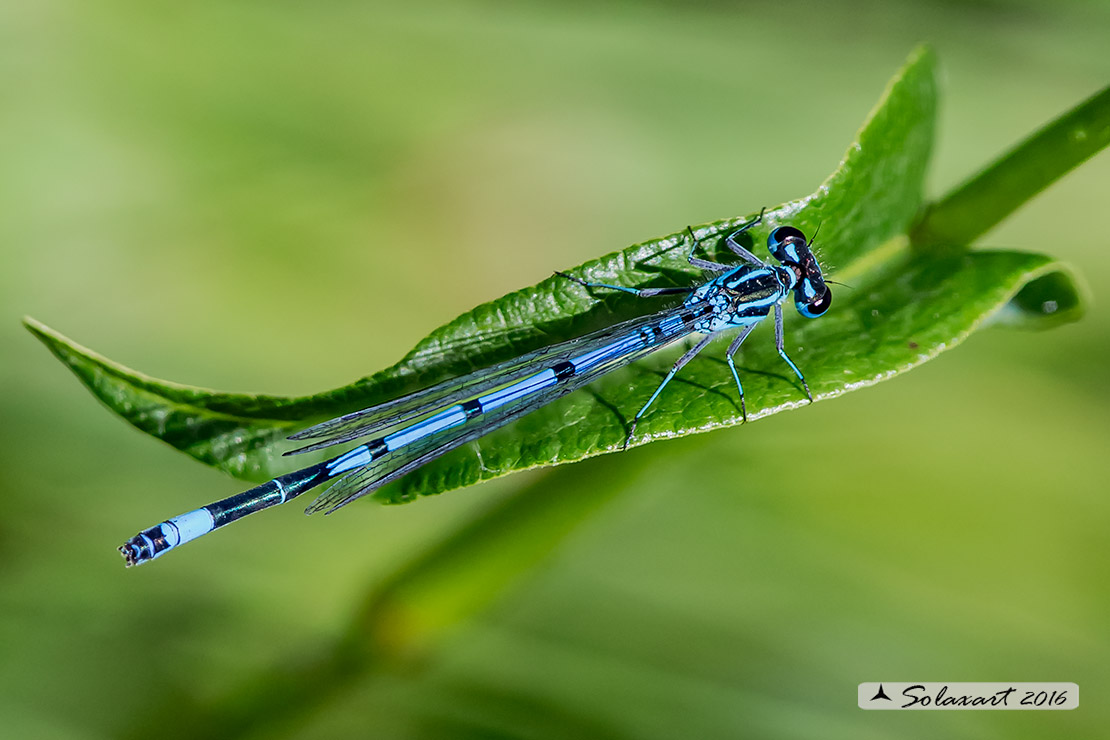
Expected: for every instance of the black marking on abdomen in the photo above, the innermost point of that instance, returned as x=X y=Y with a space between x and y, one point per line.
x=563 y=370
x=472 y=408
x=238 y=506
x=376 y=447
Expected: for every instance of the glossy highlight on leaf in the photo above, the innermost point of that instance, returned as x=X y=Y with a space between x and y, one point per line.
x=903 y=309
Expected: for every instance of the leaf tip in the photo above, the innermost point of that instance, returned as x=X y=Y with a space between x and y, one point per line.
x=1055 y=296
x=36 y=327
x=923 y=53
x=60 y=345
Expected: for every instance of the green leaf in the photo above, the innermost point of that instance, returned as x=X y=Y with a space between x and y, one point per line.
x=903 y=309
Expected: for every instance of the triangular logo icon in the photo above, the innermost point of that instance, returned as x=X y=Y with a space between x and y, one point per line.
x=881 y=695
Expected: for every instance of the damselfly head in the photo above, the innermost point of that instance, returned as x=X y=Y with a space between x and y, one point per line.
x=811 y=296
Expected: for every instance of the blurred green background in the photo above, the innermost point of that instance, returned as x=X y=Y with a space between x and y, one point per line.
x=282 y=197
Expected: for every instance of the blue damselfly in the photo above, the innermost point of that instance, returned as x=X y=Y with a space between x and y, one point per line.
x=410 y=431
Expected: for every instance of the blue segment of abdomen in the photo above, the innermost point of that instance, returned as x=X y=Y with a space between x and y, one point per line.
x=190 y=526
x=445 y=419
x=613 y=349
x=349 y=460
x=672 y=324
x=517 y=390
x=457 y=415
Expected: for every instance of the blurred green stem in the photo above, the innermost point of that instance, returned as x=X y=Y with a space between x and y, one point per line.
x=462 y=575
x=998 y=190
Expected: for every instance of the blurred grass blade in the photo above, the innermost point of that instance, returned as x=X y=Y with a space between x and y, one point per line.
x=470 y=569
x=975 y=207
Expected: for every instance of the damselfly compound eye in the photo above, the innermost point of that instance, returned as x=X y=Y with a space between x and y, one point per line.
x=816 y=307
x=783 y=244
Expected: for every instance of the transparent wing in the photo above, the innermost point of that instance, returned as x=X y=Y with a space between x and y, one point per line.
x=382 y=417
x=401 y=461
x=437 y=351
x=395 y=412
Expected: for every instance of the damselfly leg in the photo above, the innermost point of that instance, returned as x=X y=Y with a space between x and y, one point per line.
x=673 y=371
x=639 y=292
x=732 y=349
x=731 y=243
x=700 y=263
x=780 y=345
